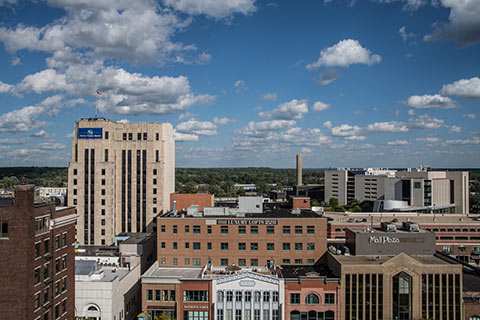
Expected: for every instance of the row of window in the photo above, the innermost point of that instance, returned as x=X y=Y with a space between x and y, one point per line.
x=312 y=298
x=196 y=229
x=60 y=308
x=60 y=242
x=246 y=296
x=140 y=136
x=242 y=246
x=242 y=262
x=247 y=314
x=60 y=265
x=160 y=295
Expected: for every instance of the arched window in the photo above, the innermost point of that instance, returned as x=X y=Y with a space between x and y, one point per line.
x=474 y=318
x=92 y=308
x=295 y=315
x=312 y=298
x=220 y=296
x=312 y=315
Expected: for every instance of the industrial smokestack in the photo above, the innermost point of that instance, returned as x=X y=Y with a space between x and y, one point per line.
x=299 y=169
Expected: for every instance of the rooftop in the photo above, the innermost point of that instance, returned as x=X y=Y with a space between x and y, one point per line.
x=317 y=270
x=267 y=213
x=378 y=260
x=356 y=218
x=179 y=273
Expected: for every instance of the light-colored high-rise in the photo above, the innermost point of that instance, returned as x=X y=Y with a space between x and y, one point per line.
x=121 y=175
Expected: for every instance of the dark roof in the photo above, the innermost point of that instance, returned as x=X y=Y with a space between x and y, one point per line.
x=277 y=212
x=135 y=238
x=296 y=271
x=98 y=251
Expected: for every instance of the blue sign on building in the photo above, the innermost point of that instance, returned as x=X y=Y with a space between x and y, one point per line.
x=89 y=133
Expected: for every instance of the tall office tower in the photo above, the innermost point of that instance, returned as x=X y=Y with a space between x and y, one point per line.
x=120 y=177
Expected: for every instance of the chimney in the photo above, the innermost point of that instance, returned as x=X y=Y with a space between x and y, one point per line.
x=299 y=170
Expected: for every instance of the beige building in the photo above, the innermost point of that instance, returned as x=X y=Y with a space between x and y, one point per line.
x=419 y=188
x=121 y=175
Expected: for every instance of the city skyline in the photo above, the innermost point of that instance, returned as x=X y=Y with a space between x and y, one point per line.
x=345 y=83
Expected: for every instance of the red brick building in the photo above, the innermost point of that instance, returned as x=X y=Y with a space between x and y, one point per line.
x=37 y=260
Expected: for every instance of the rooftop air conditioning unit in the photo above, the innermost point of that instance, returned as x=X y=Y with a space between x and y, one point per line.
x=388 y=227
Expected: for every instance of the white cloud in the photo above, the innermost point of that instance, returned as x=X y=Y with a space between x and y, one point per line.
x=343 y=54
x=425 y=121
x=403 y=33
x=427 y=101
x=469 y=115
x=455 y=129
x=184 y=137
x=390 y=126
x=356 y=138
x=397 y=113
x=196 y=127
x=138 y=33
x=306 y=150
x=15 y=61
x=26 y=118
x=221 y=121
x=51 y=146
x=464 y=88
x=185 y=115
x=320 y=106
x=240 y=86
x=474 y=140
x=463 y=26
x=213 y=9
x=346 y=130
x=5 y=88
x=397 y=143
x=8 y=141
x=269 y=96
x=70 y=135
x=411 y=112
x=263 y=128
x=429 y=139
x=327 y=124
x=203 y=58
x=294 y=109
x=40 y=134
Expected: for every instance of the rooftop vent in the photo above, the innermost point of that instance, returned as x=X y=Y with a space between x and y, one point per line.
x=388 y=227
x=410 y=226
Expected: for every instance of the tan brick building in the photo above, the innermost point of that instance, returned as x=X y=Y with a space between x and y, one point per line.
x=246 y=240
x=120 y=177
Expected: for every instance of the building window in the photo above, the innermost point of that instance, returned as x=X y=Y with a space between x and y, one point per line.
x=310 y=246
x=163 y=261
x=157 y=136
x=103 y=192
x=224 y=246
x=195 y=296
x=224 y=229
x=106 y=155
x=75 y=181
x=286 y=229
x=38 y=249
x=162 y=244
x=102 y=222
x=248 y=296
x=266 y=296
x=75 y=171
x=187 y=261
x=253 y=230
x=36 y=301
x=256 y=296
x=46 y=271
x=74 y=202
x=64 y=284
x=106 y=135
x=154 y=181
x=162 y=228
x=298 y=246
x=103 y=202
x=165 y=295
x=58 y=265
x=242 y=246
x=124 y=136
x=270 y=246
x=242 y=230
x=175 y=246
x=312 y=298
x=310 y=229
x=329 y=298
x=446 y=249
x=46 y=246
x=46 y=295
x=196 y=246
x=187 y=245
x=310 y=261
x=103 y=172
x=102 y=212
x=197 y=262
x=149 y=295
x=275 y=296
x=187 y=229
x=242 y=262
x=139 y=136
x=253 y=262
x=224 y=262
x=286 y=246
x=298 y=229
x=144 y=136
x=286 y=261
x=174 y=229
x=294 y=298
x=175 y=261
x=298 y=261
x=209 y=229
x=157 y=295
x=270 y=230
x=64 y=240
x=209 y=246
x=130 y=136
x=254 y=246
x=172 y=295
x=36 y=276
x=64 y=262
x=74 y=192
x=196 y=229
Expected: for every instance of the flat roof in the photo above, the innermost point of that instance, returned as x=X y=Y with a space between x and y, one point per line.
x=135 y=238
x=295 y=271
x=355 y=218
x=378 y=260
x=180 y=273
x=267 y=213
x=360 y=229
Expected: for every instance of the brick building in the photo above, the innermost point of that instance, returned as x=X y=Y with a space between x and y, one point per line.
x=253 y=240
x=185 y=200
x=37 y=260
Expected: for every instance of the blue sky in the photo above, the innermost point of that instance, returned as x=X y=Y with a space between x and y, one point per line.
x=371 y=83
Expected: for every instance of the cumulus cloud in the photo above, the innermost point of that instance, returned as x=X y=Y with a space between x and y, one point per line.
x=343 y=54
x=390 y=126
x=221 y=121
x=320 y=106
x=403 y=33
x=328 y=77
x=51 y=146
x=213 y=9
x=40 y=134
x=327 y=124
x=463 y=26
x=397 y=143
x=263 y=128
x=5 y=88
x=346 y=130
x=455 y=129
x=294 y=109
x=474 y=140
x=269 y=96
x=196 y=127
x=427 y=101
x=203 y=58
x=425 y=121
x=464 y=88
x=8 y=141
x=184 y=137
x=240 y=86
x=26 y=118
x=429 y=139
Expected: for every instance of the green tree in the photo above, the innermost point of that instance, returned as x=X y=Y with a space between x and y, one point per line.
x=190 y=187
x=333 y=202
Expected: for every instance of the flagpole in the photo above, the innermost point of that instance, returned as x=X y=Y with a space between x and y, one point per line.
x=96 y=102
